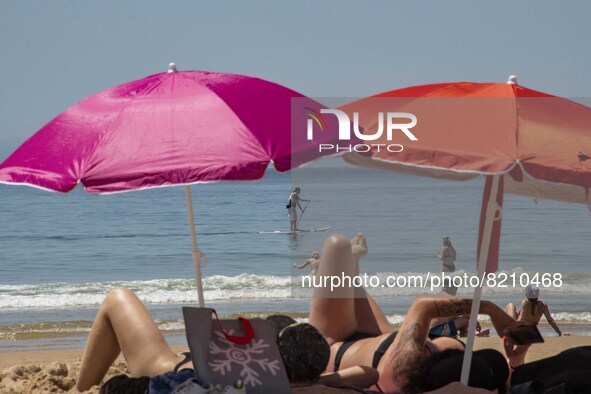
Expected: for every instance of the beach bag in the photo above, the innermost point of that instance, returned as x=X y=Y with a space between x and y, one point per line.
x=235 y=351
x=288 y=203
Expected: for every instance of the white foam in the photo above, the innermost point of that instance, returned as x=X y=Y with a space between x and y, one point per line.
x=251 y=287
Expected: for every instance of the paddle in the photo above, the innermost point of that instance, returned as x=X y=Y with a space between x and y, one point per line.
x=303 y=211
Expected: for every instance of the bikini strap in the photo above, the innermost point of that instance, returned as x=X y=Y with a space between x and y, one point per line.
x=346 y=345
x=381 y=350
x=184 y=361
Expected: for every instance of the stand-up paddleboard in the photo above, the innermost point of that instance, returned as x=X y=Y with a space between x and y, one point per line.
x=302 y=230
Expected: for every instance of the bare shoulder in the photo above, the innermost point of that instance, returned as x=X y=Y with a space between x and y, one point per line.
x=402 y=357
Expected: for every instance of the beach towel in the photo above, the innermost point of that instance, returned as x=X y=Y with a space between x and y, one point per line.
x=240 y=352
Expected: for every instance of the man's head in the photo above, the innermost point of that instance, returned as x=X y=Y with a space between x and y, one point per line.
x=297 y=190
x=447 y=240
x=315 y=254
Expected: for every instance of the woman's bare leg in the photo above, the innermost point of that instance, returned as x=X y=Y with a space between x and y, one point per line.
x=333 y=312
x=340 y=313
x=511 y=310
x=123 y=324
x=369 y=316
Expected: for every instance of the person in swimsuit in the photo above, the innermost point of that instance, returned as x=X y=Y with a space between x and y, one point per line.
x=359 y=333
x=532 y=309
x=313 y=262
x=447 y=255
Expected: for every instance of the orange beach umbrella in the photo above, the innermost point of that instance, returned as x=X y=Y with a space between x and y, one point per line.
x=523 y=141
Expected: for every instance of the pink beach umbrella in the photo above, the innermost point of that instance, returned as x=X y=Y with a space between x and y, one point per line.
x=522 y=141
x=172 y=128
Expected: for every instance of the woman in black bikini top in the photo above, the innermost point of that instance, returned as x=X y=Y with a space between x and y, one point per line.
x=341 y=312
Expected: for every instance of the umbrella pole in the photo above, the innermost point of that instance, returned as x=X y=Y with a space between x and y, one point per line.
x=196 y=252
x=491 y=212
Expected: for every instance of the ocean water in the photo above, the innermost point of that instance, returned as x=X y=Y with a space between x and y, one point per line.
x=60 y=254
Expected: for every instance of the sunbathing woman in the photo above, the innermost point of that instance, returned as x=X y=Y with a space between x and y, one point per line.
x=123 y=325
x=359 y=333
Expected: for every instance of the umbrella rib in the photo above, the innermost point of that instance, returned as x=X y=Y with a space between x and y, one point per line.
x=261 y=145
x=517 y=128
x=504 y=172
x=509 y=169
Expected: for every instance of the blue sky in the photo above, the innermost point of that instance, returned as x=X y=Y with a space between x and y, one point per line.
x=55 y=53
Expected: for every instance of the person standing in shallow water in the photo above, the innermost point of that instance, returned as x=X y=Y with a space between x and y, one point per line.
x=292 y=205
x=313 y=262
x=447 y=255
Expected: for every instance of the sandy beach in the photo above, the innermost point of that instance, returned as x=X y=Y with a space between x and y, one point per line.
x=54 y=371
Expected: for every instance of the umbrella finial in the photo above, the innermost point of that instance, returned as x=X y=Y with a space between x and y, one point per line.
x=512 y=80
x=172 y=68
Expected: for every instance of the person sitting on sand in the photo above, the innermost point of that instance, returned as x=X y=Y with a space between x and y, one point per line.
x=313 y=262
x=532 y=309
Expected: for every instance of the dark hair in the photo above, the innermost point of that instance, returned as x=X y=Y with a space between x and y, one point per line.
x=533 y=302
x=445 y=367
x=279 y=322
x=304 y=352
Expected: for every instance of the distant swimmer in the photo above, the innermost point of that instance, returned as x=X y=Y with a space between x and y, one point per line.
x=313 y=262
x=292 y=203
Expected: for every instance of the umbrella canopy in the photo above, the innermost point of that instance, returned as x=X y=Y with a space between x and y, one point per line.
x=166 y=129
x=538 y=142
x=172 y=128
x=523 y=141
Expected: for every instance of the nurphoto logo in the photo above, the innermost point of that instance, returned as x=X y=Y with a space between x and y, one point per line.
x=390 y=123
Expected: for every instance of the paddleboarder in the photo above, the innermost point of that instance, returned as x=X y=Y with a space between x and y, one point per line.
x=292 y=204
